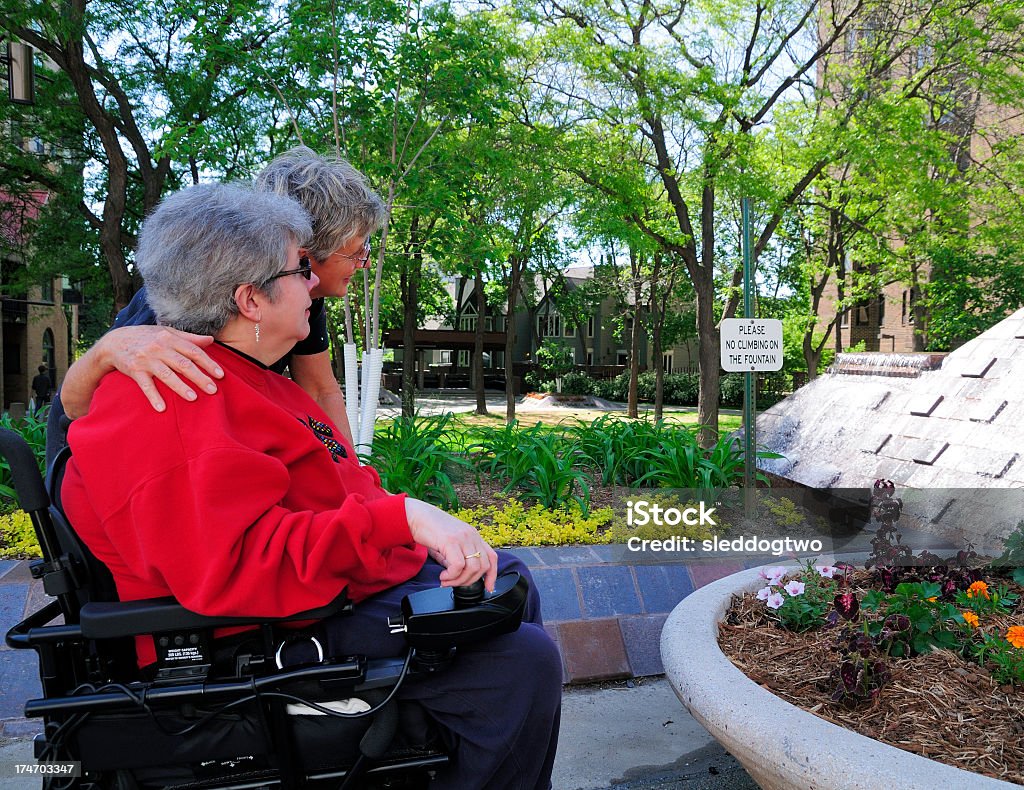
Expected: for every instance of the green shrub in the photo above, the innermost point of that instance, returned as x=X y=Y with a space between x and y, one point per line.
x=411 y=457
x=17 y=536
x=555 y=359
x=731 y=390
x=613 y=389
x=681 y=389
x=541 y=464
x=613 y=448
x=577 y=384
x=536 y=381
x=32 y=428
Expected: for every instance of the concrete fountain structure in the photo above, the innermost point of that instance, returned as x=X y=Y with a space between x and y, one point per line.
x=948 y=425
x=949 y=432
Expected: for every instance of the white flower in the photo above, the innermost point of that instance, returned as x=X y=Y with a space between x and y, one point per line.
x=775 y=600
x=794 y=588
x=773 y=575
x=763 y=593
x=826 y=571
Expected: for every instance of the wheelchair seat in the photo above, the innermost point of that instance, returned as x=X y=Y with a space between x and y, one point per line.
x=261 y=708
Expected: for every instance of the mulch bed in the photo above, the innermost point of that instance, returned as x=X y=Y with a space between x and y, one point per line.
x=936 y=705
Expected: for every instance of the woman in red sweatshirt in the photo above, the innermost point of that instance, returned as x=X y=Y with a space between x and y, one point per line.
x=251 y=502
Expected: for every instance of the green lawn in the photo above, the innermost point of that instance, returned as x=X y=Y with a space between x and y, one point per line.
x=467 y=426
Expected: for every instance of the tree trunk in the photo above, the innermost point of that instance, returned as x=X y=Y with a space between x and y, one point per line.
x=410 y=285
x=708 y=362
x=513 y=289
x=632 y=409
x=478 y=344
x=410 y=292
x=659 y=366
x=581 y=338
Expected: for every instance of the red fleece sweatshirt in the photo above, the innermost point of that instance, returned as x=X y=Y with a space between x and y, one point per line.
x=246 y=502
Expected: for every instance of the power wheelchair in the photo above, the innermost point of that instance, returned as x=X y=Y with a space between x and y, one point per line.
x=263 y=708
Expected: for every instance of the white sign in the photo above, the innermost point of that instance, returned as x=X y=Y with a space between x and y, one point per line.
x=750 y=344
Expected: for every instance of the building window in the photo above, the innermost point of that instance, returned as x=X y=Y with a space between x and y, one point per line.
x=908 y=307
x=622 y=358
x=863 y=316
x=590 y=326
x=666 y=362
x=569 y=330
x=446 y=357
x=488 y=324
x=467 y=323
x=549 y=325
x=463 y=359
x=46 y=290
x=49 y=355
x=590 y=356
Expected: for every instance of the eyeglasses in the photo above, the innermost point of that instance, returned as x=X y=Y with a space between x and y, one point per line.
x=305 y=269
x=362 y=260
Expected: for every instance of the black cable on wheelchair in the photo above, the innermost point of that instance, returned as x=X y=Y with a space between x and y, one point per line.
x=256 y=695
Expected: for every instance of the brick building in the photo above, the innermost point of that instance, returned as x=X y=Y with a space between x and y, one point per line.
x=891 y=318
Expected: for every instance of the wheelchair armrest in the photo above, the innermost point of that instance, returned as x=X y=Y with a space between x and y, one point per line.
x=133 y=618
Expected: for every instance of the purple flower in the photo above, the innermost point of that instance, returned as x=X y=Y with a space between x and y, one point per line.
x=826 y=571
x=763 y=593
x=794 y=588
x=775 y=600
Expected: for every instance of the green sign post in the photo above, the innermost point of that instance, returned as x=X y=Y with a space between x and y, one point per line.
x=749 y=377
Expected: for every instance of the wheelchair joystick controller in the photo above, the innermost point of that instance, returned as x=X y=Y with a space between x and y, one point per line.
x=469 y=595
x=435 y=621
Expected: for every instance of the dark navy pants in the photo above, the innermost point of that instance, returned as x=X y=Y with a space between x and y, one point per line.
x=499 y=701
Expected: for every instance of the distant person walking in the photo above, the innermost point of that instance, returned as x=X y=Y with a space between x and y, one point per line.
x=41 y=386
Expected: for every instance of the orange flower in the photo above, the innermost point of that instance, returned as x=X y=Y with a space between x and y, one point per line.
x=978 y=588
x=971 y=619
x=1015 y=636
x=933 y=599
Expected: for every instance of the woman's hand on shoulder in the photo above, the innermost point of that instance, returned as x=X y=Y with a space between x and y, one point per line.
x=453 y=543
x=148 y=353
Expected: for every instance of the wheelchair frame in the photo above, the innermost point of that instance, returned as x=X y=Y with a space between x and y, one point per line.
x=87 y=675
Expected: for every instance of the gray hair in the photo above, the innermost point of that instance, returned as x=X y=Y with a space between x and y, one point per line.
x=337 y=196
x=203 y=242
